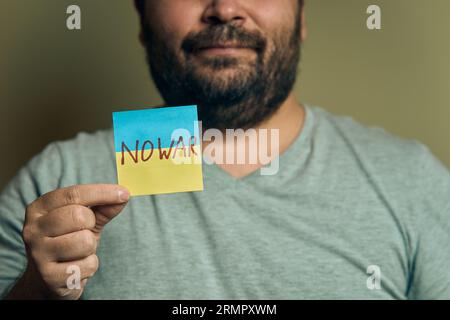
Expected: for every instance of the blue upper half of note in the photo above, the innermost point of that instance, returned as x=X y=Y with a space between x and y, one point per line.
x=167 y=124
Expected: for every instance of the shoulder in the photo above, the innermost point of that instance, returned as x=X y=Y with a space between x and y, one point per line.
x=87 y=142
x=81 y=159
x=371 y=141
x=375 y=145
x=87 y=158
x=83 y=146
x=403 y=168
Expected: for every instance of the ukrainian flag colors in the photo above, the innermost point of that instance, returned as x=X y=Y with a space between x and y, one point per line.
x=158 y=150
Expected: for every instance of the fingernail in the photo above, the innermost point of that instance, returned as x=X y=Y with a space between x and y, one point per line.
x=124 y=195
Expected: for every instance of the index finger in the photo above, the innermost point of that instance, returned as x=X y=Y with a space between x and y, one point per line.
x=85 y=195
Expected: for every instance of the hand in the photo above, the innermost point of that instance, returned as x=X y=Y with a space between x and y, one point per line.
x=62 y=228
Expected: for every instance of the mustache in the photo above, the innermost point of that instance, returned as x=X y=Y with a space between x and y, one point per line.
x=218 y=35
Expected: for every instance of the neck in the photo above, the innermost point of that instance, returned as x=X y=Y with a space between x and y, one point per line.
x=288 y=121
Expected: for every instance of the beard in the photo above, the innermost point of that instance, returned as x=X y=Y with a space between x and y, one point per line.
x=247 y=92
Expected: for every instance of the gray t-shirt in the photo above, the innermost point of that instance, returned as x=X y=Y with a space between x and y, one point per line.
x=351 y=207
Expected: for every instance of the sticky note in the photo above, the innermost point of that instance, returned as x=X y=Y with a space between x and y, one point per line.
x=158 y=150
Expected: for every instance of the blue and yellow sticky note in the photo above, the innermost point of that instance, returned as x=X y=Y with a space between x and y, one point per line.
x=158 y=150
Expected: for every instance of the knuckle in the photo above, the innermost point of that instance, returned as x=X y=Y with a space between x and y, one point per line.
x=92 y=265
x=36 y=204
x=88 y=240
x=27 y=234
x=89 y=218
x=78 y=217
x=29 y=209
x=83 y=283
x=61 y=292
x=72 y=195
x=30 y=234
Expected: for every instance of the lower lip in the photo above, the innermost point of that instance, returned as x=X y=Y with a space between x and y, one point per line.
x=224 y=51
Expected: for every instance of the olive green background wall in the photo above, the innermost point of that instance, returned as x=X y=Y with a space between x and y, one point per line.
x=55 y=82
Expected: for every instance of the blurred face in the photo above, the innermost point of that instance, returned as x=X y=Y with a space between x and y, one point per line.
x=235 y=59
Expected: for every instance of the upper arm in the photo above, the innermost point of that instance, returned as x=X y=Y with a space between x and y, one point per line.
x=430 y=274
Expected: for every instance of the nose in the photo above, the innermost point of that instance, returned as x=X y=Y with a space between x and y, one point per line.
x=224 y=11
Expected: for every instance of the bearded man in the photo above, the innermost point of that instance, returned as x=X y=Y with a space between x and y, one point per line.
x=352 y=213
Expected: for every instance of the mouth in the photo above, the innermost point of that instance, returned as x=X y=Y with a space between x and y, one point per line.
x=223 y=49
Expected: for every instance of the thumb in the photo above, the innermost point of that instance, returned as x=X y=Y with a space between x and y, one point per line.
x=104 y=214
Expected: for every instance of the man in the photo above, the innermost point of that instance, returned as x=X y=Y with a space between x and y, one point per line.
x=353 y=212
